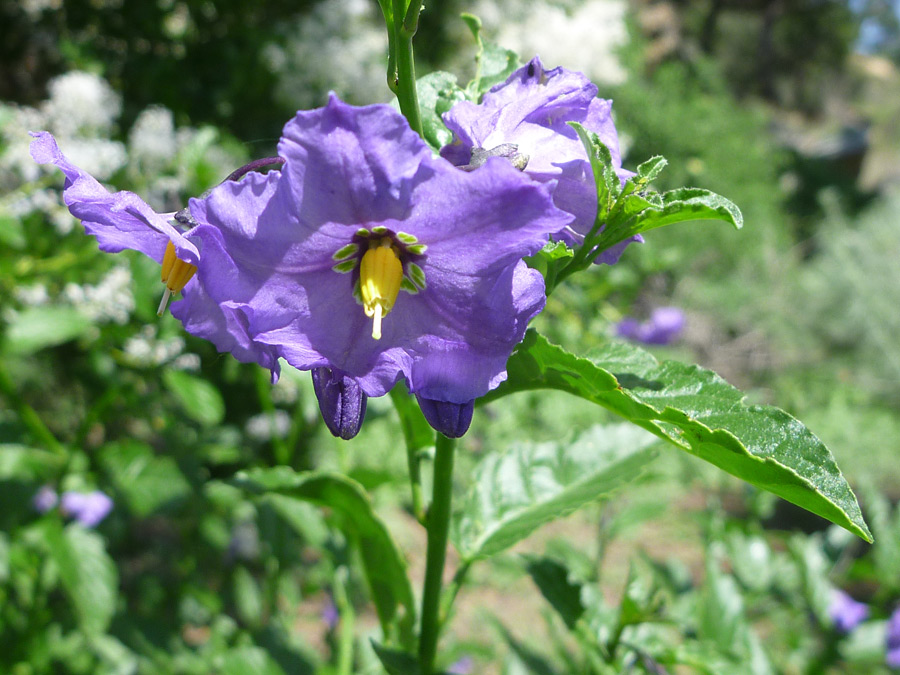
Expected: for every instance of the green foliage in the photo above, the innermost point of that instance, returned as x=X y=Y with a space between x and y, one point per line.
x=700 y=413
x=384 y=566
x=533 y=484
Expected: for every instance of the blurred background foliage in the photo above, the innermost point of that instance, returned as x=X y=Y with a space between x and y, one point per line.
x=787 y=107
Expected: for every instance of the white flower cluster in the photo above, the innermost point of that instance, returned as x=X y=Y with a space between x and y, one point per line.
x=341 y=46
x=148 y=349
x=151 y=141
x=265 y=426
x=582 y=36
x=110 y=300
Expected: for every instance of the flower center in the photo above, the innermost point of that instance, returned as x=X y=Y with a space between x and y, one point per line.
x=175 y=274
x=380 y=276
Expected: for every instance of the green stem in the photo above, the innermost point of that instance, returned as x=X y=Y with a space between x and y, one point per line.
x=28 y=416
x=453 y=589
x=438 y=530
x=346 y=626
x=406 y=22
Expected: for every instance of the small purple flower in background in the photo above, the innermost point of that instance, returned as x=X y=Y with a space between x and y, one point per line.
x=464 y=666
x=526 y=120
x=845 y=612
x=330 y=614
x=892 y=657
x=88 y=508
x=662 y=328
x=366 y=260
x=44 y=499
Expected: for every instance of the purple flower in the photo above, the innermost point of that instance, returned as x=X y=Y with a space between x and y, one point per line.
x=463 y=666
x=369 y=258
x=662 y=328
x=44 y=499
x=330 y=614
x=526 y=118
x=88 y=508
x=845 y=612
x=122 y=220
x=892 y=657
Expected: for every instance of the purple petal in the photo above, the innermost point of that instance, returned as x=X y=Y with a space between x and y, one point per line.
x=44 y=499
x=341 y=400
x=89 y=508
x=119 y=220
x=451 y=419
x=845 y=612
x=532 y=110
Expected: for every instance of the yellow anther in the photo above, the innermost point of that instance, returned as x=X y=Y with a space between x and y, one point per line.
x=380 y=275
x=175 y=274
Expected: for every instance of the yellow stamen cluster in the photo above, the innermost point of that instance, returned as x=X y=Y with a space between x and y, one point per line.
x=380 y=276
x=175 y=274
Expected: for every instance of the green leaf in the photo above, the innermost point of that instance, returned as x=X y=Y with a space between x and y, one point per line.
x=199 y=400
x=87 y=573
x=437 y=91
x=530 y=484
x=699 y=412
x=687 y=204
x=552 y=579
x=396 y=662
x=12 y=234
x=249 y=659
x=494 y=64
x=608 y=184
x=37 y=328
x=383 y=563
x=146 y=481
x=22 y=463
x=650 y=169
x=417 y=433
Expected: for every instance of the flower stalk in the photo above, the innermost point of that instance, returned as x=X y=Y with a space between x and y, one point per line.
x=436 y=554
x=401 y=68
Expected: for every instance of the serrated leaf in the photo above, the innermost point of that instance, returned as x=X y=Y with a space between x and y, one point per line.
x=686 y=204
x=605 y=176
x=384 y=566
x=87 y=573
x=437 y=91
x=650 y=169
x=531 y=484
x=699 y=412
x=494 y=64
x=37 y=328
x=147 y=482
x=552 y=579
x=396 y=662
x=199 y=400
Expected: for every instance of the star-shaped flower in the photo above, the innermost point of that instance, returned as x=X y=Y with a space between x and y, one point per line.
x=526 y=119
x=368 y=260
x=122 y=220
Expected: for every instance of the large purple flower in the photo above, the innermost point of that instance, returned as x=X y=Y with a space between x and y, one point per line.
x=122 y=220
x=531 y=111
x=368 y=260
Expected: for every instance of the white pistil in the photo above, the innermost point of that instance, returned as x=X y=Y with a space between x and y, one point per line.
x=376 y=322
x=164 y=302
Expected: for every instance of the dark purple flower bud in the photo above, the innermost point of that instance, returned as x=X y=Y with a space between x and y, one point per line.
x=451 y=419
x=341 y=400
x=662 y=328
x=88 y=508
x=892 y=657
x=464 y=666
x=845 y=612
x=44 y=499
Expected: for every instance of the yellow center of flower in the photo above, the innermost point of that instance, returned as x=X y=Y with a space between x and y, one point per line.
x=380 y=276
x=175 y=274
